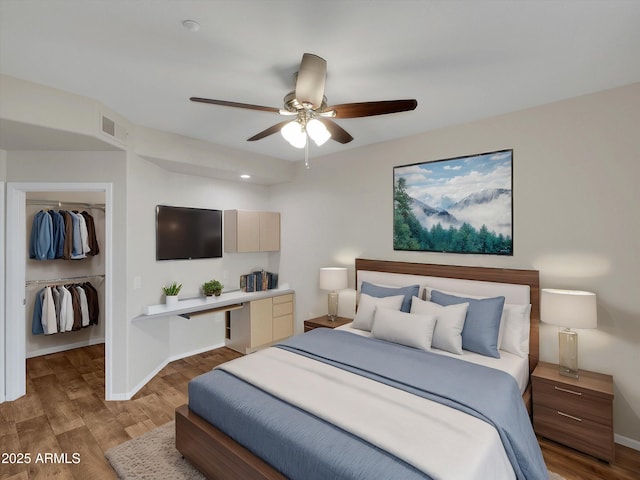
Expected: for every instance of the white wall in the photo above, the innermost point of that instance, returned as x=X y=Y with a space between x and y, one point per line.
x=576 y=172
x=153 y=340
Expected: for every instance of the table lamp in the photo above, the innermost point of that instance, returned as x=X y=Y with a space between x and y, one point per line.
x=333 y=279
x=569 y=309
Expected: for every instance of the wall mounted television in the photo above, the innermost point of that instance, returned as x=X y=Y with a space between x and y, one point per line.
x=184 y=233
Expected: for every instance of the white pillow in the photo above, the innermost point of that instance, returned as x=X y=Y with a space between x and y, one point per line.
x=449 y=323
x=515 y=320
x=515 y=329
x=366 y=307
x=404 y=328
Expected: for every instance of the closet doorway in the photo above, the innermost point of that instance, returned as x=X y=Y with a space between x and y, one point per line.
x=22 y=199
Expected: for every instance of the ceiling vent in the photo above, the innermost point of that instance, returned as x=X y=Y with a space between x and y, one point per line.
x=114 y=130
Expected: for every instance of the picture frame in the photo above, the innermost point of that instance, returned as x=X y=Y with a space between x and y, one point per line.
x=455 y=205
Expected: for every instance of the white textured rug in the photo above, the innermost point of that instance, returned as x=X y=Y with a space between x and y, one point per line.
x=154 y=455
x=151 y=456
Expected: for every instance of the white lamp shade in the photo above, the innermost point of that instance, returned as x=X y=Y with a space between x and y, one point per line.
x=294 y=134
x=568 y=308
x=333 y=278
x=317 y=131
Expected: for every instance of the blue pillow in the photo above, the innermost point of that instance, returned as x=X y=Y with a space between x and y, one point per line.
x=481 y=327
x=380 y=291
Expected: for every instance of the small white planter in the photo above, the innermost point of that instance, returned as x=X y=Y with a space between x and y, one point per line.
x=171 y=300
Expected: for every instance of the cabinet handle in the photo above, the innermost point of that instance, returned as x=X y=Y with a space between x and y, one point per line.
x=568 y=391
x=570 y=416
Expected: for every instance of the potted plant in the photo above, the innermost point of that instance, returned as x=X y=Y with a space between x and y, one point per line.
x=171 y=293
x=212 y=287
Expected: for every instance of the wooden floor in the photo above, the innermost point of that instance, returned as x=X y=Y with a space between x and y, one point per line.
x=64 y=411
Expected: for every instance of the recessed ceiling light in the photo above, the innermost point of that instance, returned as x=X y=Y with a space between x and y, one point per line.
x=245 y=176
x=191 y=25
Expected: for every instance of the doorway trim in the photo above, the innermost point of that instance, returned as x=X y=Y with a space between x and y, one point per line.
x=2 y=287
x=16 y=254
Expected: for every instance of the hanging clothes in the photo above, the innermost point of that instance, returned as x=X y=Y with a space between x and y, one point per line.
x=91 y=232
x=63 y=234
x=36 y=322
x=68 y=238
x=77 y=238
x=40 y=242
x=58 y=233
x=49 y=320
x=65 y=308
x=93 y=302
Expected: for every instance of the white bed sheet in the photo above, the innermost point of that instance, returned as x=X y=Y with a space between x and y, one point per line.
x=514 y=365
x=418 y=425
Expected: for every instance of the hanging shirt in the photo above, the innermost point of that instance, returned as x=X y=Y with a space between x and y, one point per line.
x=58 y=233
x=67 y=249
x=77 y=312
x=56 y=301
x=49 y=321
x=94 y=304
x=66 y=309
x=91 y=232
x=84 y=306
x=77 y=238
x=36 y=319
x=84 y=234
x=40 y=242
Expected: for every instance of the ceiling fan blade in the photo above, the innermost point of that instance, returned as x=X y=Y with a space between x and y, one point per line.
x=269 y=131
x=369 y=109
x=338 y=133
x=225 y=103
x=310 y=81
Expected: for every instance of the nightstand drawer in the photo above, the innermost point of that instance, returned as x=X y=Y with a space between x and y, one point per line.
x=575 y=431
x=572 y=400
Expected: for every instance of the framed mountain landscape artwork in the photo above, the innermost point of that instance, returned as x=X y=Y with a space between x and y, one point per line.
x=457 y=205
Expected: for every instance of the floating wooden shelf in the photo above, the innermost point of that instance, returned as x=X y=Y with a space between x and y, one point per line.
x=227 y=301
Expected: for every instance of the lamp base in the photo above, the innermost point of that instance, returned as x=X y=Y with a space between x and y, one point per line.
x=568 y=353
x=568 y=373
x=332 y=304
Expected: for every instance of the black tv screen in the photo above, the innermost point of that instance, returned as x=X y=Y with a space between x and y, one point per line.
x=185 y=233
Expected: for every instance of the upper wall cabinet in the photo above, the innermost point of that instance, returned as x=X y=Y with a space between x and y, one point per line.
x=249 y=231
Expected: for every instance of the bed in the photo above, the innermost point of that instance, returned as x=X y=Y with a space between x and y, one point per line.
x=335 y=429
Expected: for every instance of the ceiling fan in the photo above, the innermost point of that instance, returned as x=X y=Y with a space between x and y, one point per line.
x=309 y=105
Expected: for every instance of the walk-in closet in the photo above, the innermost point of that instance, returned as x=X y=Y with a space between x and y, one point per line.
x=64 y=272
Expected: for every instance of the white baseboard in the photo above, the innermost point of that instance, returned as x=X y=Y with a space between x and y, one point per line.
x=63 y=348
x=147 y=379
x=627 y=442
x=195 y=352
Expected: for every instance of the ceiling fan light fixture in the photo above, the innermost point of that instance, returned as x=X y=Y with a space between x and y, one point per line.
x=294 y=133
x=317 y=131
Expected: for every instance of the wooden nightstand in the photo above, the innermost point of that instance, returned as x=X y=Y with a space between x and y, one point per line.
x=324 y=321
x=575 y=412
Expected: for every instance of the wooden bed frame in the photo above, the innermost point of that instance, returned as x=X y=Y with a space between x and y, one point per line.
x=219 y=457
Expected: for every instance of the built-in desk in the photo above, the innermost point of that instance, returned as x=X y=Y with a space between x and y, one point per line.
x=226 y=302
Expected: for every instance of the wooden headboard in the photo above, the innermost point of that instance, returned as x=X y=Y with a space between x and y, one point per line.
x=484 y=274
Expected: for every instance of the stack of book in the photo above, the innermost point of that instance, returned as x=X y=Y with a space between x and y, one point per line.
x=257 y=281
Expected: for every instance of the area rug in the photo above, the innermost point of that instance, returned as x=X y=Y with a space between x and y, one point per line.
x=151 y=456
x=154 y=455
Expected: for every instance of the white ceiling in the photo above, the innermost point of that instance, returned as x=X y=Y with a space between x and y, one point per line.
x=462 y=60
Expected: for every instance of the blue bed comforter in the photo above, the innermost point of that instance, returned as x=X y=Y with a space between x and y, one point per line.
x=452 y=382
x=302 y=446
